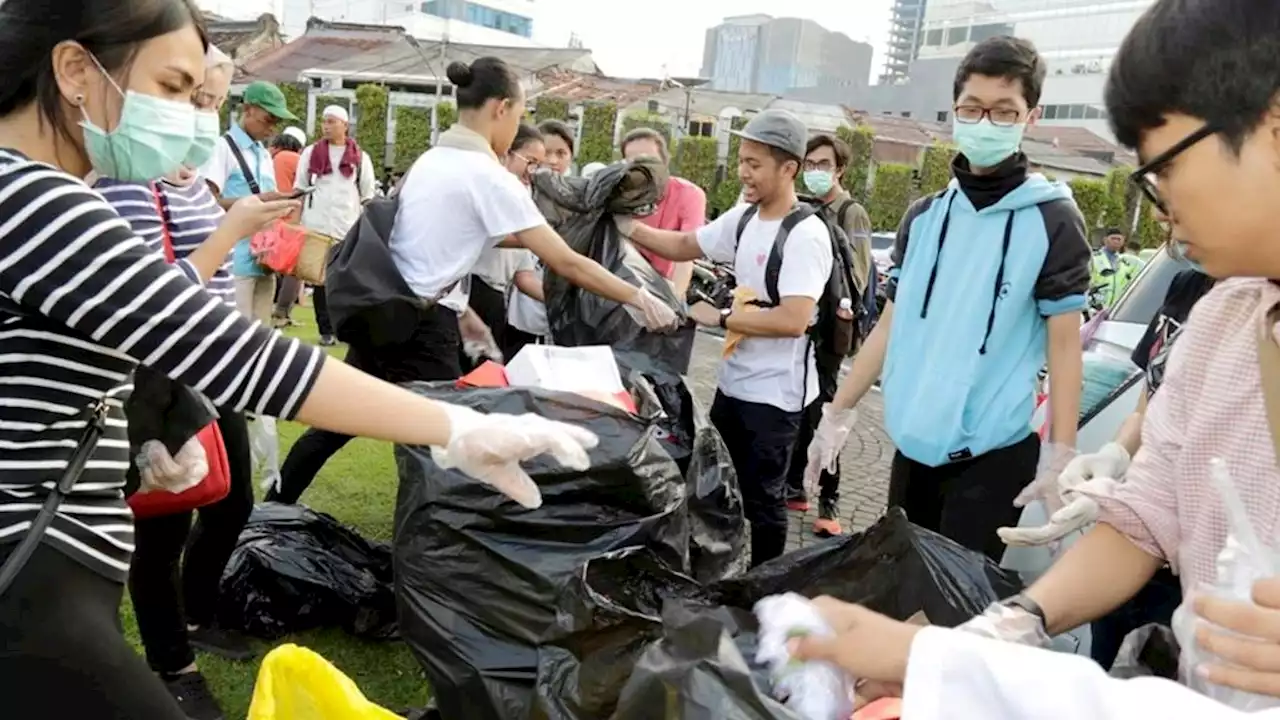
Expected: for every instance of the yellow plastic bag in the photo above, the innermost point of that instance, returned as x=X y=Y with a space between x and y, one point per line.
x=295 y=683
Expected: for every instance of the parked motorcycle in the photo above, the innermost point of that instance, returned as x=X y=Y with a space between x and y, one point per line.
x=712 y=283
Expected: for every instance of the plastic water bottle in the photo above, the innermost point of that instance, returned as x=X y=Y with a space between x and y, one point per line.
x=846 y=309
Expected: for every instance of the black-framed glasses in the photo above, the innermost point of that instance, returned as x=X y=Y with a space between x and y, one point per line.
x=1000 y=117
x=823 y=165
x=1147 y=177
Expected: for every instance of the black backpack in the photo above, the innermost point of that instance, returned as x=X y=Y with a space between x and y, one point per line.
x=835 y=333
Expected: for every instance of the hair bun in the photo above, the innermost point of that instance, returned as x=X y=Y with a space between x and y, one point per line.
x=459 y=73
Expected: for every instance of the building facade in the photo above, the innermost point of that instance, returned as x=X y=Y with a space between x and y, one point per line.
x=791 y=57
x=486 y=22
x=906 y=26
x=1078 y=39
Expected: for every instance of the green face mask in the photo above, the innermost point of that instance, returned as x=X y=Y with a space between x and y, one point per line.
x=151 y=139
x=207 y=133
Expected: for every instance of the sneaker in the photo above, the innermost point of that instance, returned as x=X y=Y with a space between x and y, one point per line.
x=797 y=500
x=193 y=696
x=327 y=341
x=827 y=524
x=227 y=644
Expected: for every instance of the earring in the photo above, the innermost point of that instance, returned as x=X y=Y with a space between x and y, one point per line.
x=78 y=100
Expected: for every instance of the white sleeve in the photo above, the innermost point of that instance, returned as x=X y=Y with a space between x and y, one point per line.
x=806 y=261
x=302 y=175
x=367 y=179
x=216 y=169
x=526 y=261
x=719 y=239
x=504 y=205
x=950 y=669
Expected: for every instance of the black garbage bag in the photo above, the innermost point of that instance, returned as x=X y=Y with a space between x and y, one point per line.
x=1150 y=651
x=295 y=569
x=582 y=210
x=611 y=608
x=479 y=579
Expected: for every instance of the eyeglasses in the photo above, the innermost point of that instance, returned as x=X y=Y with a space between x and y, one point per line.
x=823 y=165
x=529 y=164
x=1000 y=117
x=1147 y=177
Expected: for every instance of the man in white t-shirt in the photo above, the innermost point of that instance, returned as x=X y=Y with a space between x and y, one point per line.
x=768 y=376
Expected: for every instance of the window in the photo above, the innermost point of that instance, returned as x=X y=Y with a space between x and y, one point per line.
x=906 y=113
x=933 y=38
x=1050 y=112
x=433 y=7
x=653 y=106
x=498 y=20
x=958 y=36
x=1077 y=112
x=943 y=116
x=698 y=128
x=1091 y=112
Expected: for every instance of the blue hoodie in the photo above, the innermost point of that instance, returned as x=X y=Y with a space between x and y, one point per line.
x=971 y=289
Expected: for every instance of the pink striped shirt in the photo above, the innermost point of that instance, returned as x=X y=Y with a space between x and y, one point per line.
x=1210 y=406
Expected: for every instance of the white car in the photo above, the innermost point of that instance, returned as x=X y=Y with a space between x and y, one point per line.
x=881 y=255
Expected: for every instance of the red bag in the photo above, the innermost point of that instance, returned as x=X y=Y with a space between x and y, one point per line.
x=278 y=247
x=217 y=483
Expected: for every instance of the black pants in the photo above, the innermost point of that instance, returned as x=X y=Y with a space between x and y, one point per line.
x=514 y=340
x=967 y=500
x=759 y=438
x=490 y=304
x=431 y=353
x=321 y=304
x=828 y=482
x=287 y=290
x=63 y=652
x=161 y=577
x=1154 y=603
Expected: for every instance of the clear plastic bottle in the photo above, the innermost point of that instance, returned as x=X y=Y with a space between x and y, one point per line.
x=846 y=309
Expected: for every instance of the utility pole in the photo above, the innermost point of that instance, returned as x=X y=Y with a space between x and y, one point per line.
x=440 y=78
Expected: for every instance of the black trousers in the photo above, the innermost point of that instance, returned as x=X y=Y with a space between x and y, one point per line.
x=287 y=289
x=828 y=482
x=162 y=576
x=431 y=353
x=63 y=652
x=514 y=340
x=759 y=438
x=1154 y=603
x=967 y=500
x=321 y=304
x=490 y=304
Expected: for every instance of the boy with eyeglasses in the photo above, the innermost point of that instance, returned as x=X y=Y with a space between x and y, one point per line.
x=991 y=275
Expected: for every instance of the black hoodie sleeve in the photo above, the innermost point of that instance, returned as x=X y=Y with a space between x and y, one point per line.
x=899 y=254
x=1064 y=276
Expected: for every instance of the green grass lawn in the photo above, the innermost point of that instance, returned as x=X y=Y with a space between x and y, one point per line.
x=358 y=487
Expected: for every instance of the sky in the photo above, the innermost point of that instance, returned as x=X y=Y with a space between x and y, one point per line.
x=646 y=38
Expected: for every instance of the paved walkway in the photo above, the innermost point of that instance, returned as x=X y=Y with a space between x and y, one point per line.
x=864 y=482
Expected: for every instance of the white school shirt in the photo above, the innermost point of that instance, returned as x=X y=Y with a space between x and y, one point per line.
x=524 y=313
x=773 y=371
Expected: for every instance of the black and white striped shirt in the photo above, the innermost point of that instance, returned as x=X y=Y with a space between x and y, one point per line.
x=191 y=214
x=82 y=301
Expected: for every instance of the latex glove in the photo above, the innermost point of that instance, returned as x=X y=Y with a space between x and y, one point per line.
x=491 y=447
x=819 y=690
x=160 y=471
x=1111 y=461
x=1079 y=512
x=828 y=440
x=1054 y=458
x=477 y=339
x=651 y=312
x=1008 y=624
x=625 y=224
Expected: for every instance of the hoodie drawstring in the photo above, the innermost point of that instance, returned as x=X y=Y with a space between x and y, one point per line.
x=933 y=274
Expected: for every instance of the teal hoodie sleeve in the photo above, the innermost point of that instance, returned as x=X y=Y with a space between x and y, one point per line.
x=1064 y=277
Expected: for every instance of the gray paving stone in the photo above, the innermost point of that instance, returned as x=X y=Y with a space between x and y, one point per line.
x=864 y=479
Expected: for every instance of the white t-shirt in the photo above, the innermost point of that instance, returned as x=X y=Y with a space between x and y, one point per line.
x=497 y=266
x=771 y=371
x=454 y=205
x=335 y=205
x=523 y=312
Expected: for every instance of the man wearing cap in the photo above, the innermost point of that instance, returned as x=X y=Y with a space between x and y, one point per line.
x=768 y=375
x=343 y=179
x=243 y=166
x=1111 y=268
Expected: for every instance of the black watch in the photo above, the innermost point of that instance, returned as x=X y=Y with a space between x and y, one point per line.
x=724 y=318
x=1022 y=602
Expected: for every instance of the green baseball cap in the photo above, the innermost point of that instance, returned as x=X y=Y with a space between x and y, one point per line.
x=268 y=97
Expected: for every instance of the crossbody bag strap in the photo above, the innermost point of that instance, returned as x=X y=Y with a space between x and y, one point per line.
x=244 y=166
x=165 y=237
x=1269 y=369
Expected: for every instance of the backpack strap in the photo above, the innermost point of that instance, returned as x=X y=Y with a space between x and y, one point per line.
x=773 y=268
x=751 y=212
x=843 y=213
x=244 y=166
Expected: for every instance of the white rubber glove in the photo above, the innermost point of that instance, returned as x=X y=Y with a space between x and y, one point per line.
x=1078 y=512
x=828 y=440
x=1008 y=624
x=1111 y=461
x=651 y=312
x=160 y=471
x=477 y=339
x=1054 y=458
x=491 y=447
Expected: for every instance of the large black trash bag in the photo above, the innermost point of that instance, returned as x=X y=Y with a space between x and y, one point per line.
x=478 y=578
x=610 y=609
x=295 y=569
x=1150 y=651
x=582 y=210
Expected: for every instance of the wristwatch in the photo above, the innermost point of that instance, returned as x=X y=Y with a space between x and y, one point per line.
x=1026 y=604
x=724 y=318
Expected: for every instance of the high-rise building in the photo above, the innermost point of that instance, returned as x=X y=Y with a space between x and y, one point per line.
x=785 y=56
x=485 y=22
x=1077 y=38
x=906 y=25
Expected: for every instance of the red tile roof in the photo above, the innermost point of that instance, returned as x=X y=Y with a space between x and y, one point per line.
x=575 y=87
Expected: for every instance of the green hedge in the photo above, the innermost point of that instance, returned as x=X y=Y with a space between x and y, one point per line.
x=596 y=139
x=696 y=160
x=647 y=120
x=550 y=108
x=891 y=194
x=727 y=190
x=322 y=102
x=1150 y=233
x=413 y=135
x=935 y=168
x=861 y=140
x=295 y=98
x=371 y=125
x=1094 y=200
x=446 y=116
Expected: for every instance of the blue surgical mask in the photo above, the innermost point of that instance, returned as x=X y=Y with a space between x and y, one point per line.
x=1178 y=249
x=986 y=145
x=151 y=139
x=208 y=131
x=819 y=182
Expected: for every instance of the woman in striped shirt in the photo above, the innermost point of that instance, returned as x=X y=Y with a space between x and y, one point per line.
x=105 y=86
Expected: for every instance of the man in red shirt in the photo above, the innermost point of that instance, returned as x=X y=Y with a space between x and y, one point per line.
x=683 y=207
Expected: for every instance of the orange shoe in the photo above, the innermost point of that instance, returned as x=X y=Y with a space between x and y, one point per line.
x=827 y=525
x=797 y=501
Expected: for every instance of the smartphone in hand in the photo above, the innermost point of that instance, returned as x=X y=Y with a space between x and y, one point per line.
x=301 y=193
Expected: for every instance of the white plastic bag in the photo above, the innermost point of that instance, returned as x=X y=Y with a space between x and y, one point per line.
x=160 y=471
x=264 y=446
x=812 y=690
x=1243 y=561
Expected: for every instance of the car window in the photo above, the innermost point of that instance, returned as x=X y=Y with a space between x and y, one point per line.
x=1104 y=379
x=882 y=241
x=1142 y=300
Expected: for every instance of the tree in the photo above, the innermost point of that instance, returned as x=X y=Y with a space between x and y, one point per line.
x=649 y=120
x=371 y=126
x=1094 y=201
x=727 y=190
x=695 y=160
x=861 y=140
x=446 y=116
x=596 y=142
x=550 y=108
x=935 y=168
x=891 y=195
x=413 y=135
